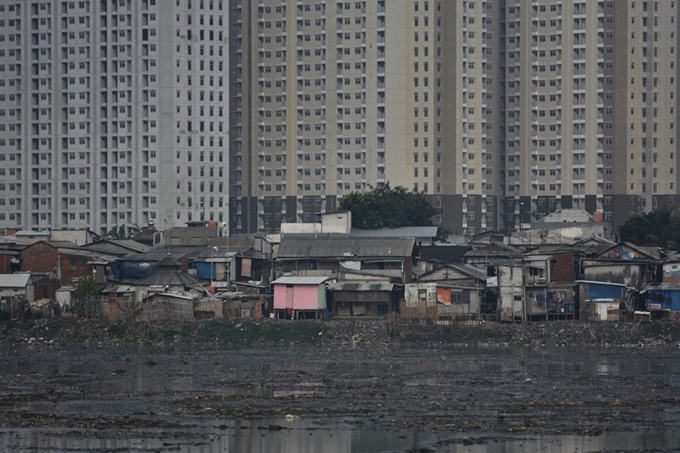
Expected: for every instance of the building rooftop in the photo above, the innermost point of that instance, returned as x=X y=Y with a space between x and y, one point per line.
x=403 y=232
x=347 y=248
x=299 y=280
x=14 y=280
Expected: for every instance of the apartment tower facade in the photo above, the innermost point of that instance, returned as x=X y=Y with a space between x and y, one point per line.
x=257 y=112
x=333 y=97
x=113 y=113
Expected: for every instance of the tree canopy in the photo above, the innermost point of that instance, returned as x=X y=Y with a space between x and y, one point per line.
x=658 y=228
x=387 y=207
x=122 y=231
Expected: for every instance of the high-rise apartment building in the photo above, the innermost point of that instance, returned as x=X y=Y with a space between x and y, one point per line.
x=113 y=112
x=333 y=97
x=640 y=107
x=502 y=111
x=255 y=112
x=554 y=107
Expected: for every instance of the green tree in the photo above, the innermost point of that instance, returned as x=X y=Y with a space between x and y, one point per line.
x=387 y=207
x=123 y=231
x=87 y=289
x=658 y=228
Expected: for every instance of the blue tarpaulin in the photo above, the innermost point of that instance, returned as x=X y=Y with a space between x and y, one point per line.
x=668 y=299
x=205 y=269
x=604 y=291
x=136 y=269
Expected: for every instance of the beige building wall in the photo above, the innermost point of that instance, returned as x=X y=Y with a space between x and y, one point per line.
x=554 y=99
x=348 y=95
x=641 y=104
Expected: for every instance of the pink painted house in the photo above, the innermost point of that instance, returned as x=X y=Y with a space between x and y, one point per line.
x=299 y=297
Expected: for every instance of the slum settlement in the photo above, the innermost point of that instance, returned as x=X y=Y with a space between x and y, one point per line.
x=562 y=267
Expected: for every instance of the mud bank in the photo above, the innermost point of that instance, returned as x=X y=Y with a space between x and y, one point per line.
x=568 y=334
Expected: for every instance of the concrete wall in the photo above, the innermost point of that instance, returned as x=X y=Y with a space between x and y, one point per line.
x=32 y=239
x=628 y=274
x=337 y=222
x=464 y=302
x=209 y=309
x=671 y=273
x=420 y=301
x=511 y=292
x=80 y=237
x=18 y=293
x=300 y=228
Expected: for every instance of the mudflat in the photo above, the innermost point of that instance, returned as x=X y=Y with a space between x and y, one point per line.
x=354 y=397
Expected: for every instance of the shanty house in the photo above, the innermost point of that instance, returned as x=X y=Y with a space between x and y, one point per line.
x=440 y=302
x=600 y=301
x=119 y=302
x=66 y=259
x=662 y=301
x=297 y=297
x=167 y=306
x=17 y=286
x=328 y=256
x=455 y=273
x=170 y=278
x=364 y=298
x=495 y=251
x=424 y=235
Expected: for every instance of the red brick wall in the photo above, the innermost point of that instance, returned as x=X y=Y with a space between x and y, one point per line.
x=5 y=264
x=74 y=266
x=563 y=267
x=43 y=258
x=38 y=257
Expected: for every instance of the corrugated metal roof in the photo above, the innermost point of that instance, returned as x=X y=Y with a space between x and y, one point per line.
x=567 y=216
x=347 y=248
x=171 y=295
x=299 y=280
x=118 y=246
x=537 y=257
x=414 y=231
x=119 y=289
x=32 y=233
x=170 y=278
x=361 y=286
x=192 y=251
x=14 y=280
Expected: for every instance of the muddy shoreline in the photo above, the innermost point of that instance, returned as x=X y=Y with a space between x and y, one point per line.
x=67 y=331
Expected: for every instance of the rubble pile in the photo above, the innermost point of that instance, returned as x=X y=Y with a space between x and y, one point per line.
x=268 y=332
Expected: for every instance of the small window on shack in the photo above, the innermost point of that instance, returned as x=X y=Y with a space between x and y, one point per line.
x=422 y=295
x=457 y=298
x=535 y=271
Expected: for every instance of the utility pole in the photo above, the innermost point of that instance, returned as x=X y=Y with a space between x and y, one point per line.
x=521 y=224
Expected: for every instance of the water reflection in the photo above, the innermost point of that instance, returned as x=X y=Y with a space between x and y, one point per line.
x=148 y=383
x=274 y=436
